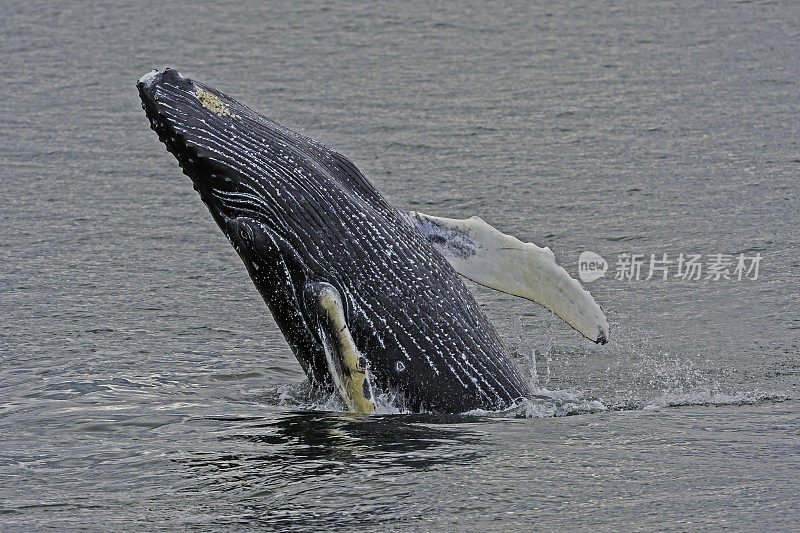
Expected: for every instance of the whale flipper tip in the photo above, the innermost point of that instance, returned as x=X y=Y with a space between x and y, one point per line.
x=602 y=338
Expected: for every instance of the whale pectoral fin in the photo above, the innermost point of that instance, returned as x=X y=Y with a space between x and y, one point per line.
x=487 y=256
x=347 y=366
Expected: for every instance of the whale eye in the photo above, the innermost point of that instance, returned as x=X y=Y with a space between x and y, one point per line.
x=246 y=235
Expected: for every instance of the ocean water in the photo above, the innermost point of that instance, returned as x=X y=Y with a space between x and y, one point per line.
x=144 y=386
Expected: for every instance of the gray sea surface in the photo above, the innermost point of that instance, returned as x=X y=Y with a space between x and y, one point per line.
x=145 y=386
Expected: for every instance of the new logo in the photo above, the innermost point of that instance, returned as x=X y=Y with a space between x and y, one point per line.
x=591 y=266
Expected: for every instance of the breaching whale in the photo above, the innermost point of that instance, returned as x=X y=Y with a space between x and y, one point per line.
x=369 y=297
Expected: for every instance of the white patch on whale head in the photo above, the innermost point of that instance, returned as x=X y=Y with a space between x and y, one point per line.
x=147 y=79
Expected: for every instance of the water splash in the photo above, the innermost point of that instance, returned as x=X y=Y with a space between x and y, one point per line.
x=544 y=403
x=548 y=404
x=632 y=375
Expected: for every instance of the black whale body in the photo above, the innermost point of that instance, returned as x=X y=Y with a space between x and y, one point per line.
x=300 y=214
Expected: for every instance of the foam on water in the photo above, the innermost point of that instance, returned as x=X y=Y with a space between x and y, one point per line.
x=545 y=403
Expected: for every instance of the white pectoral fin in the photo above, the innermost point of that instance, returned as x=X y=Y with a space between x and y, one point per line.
x=487 y=256
x=347 y=366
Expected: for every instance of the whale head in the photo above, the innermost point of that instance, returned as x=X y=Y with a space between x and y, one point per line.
x=198 y=125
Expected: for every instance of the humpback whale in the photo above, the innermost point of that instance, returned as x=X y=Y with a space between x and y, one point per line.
x=369 y=298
